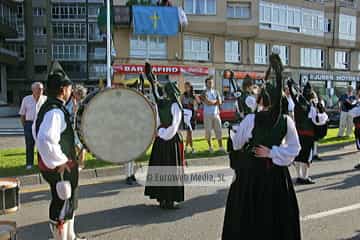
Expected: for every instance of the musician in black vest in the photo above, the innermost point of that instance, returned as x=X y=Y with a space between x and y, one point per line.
x=262 y=202
x=308 y=115
x=57 y=157
x=355 y=113
x=167 y=155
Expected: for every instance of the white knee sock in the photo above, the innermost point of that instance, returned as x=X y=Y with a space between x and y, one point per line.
x=130 y=169
x=298 y=169
x=71 y=229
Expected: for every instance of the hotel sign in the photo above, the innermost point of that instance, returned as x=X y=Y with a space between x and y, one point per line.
x=329 y=77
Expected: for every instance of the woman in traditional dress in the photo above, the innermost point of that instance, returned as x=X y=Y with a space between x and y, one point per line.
x=262 y=203
x=167 y=155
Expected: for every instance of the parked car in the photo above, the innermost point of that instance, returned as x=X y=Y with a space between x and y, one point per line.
x=227 y=112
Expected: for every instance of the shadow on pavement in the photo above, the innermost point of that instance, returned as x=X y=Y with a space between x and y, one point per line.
x=356 y=237
x=132 y=215
x=86 y=191
x=349 y=182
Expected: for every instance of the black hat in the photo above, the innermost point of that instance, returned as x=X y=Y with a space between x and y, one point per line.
x=57 y=77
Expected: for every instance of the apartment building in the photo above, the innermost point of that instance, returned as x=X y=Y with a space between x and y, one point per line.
x=61 y=30
x=318 y=41
x=7 y=57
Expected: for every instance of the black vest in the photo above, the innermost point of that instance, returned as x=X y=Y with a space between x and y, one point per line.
x=67 y=136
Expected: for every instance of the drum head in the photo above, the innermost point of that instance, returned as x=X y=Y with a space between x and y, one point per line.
x=7 y=230
x=117 y=125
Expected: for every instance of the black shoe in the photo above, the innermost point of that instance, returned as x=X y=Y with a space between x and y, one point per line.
x=171 y=205
x=309 y=181
x=317 y=158
x=133 y=178
x=162 y=204
x=300 y=181
x=129 y=181
x=357 y=166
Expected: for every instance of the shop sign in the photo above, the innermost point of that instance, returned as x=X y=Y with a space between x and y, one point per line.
x=160 y=69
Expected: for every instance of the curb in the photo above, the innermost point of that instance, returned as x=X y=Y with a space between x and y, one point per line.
x=35 y=179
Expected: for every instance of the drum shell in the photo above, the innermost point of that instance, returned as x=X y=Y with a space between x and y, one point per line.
x=9 y=197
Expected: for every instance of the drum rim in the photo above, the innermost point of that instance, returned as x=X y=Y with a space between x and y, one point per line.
x=14 y=183
x=9 y=210
x=147 y=102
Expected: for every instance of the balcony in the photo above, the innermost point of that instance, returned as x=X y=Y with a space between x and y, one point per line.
x=8 y=56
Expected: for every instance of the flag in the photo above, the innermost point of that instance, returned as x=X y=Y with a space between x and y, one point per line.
x=182 y=17
x=152 y=20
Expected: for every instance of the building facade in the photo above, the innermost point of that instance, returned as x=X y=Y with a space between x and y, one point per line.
x=8 y=57
x=318 y=41
x=61 y=30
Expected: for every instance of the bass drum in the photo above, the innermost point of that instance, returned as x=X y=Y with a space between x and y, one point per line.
x=116 y=125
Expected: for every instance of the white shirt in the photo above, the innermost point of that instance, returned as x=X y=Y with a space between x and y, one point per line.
x=317 y=118
x=291 y=104
x=355 y=112
x=169 y=133
x=29 y=107
x=48 y=138
x=281 y=155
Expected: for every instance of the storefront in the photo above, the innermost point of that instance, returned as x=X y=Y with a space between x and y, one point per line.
x=227 y=88
x=180 y=74
x=330 y=86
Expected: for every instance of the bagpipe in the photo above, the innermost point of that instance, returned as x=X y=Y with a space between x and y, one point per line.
x=238 y=158
x=320 y=130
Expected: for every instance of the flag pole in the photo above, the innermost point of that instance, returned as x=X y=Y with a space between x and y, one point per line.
x=108 y=45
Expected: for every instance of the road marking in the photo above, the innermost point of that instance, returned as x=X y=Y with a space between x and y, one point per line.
x=331 y=212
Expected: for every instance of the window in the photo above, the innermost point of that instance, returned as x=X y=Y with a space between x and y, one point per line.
x=68 y=11
x=341 y=60
x=197 y=49
x=39 y=31
x=238 y=10
x=40 y=69
x=200 y=7
x=347 y=27
x=69 y=52
x=312 y=57
x=38 y=12
x=98 y=70
x=232 y=51
x=283 y=53
x=69 y=30
x=93 y=10
x=291 y=19
x=94 y=32
x=20 y=11
x=145 y=46
x=40 y=51
x=261 y=53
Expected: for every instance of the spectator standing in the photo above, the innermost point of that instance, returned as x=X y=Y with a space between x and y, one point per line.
x=30 y=106
x=346 y=102
x=78 y=94
x=212 y=101
x=189 y=101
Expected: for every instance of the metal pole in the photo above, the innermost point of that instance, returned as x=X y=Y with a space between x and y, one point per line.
x=87 y=40
x=108 y=46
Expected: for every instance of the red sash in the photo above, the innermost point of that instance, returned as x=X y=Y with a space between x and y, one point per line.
x=44 y=168
x=309 y=133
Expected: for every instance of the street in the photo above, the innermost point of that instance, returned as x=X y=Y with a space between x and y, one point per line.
x=109 y=209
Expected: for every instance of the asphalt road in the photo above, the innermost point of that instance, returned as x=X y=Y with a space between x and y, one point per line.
x=109 y=209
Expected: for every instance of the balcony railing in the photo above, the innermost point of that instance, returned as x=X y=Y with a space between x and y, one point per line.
x=8 y=52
